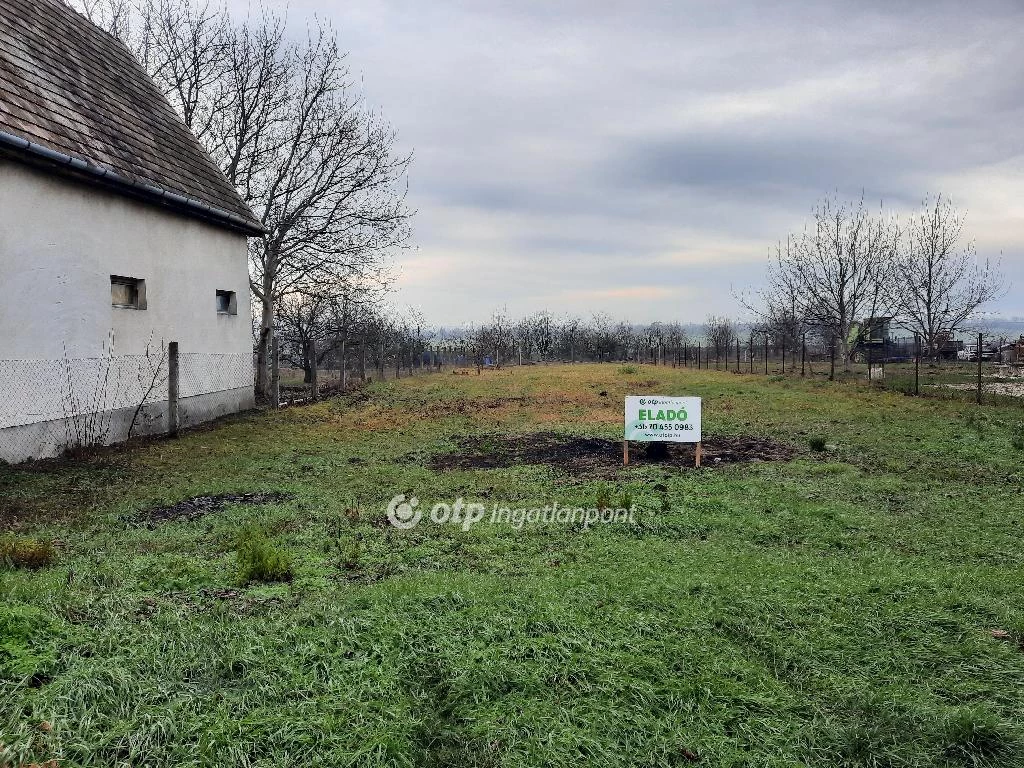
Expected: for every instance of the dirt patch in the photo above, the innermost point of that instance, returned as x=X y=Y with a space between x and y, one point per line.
x=579 y=455
x=198 y=506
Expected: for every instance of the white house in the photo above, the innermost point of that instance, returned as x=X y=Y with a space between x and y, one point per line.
x=118 y=235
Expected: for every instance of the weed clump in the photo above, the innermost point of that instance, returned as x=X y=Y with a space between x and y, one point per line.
x=629 y=370
x=817 y=444
x=259 y=559
x=976 y=736
x=605 y=500
x=25 y=552
x=346 y=551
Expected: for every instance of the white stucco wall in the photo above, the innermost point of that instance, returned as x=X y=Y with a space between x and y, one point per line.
x=60 y=242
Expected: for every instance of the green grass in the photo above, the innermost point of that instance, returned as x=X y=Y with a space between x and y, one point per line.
x=857 y=606
x=258 y=558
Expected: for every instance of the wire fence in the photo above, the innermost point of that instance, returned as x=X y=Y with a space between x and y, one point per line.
x=49 y=406
x=984 y=369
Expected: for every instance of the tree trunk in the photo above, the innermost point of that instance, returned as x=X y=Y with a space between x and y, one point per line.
x=307 y=362
x=344 y=363
x=263 y=347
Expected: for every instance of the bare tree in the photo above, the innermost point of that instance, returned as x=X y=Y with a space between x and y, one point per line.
x=833 y=273
x=939 y=283
x=326 y=187
x=306 y=329
x=542 y=333
x=603 y=335
x=720 y=333
x=676 y=338
x=570 y=334
x=115 y=16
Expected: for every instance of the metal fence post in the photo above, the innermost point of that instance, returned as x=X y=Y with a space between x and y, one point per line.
x=766 y=354
x=737 y=354
x=173 y=388
x=803 y=355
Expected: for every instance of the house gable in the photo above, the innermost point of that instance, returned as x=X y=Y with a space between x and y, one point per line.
x=75 y=100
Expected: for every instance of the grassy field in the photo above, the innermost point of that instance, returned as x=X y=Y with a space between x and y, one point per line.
x=861 y=604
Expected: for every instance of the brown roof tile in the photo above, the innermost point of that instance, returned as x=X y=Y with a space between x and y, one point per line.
x=70 y=87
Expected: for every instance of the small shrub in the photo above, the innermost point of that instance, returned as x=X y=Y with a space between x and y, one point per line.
x=817 y=444
x=349 y=554
x=259 y=559
x=629 y=370
x=18 y=552
x=604 y=498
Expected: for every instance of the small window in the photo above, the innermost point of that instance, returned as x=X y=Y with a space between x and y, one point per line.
x=127 y=292
x=227 y=304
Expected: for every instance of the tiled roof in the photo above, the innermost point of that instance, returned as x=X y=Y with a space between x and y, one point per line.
x=69 y=87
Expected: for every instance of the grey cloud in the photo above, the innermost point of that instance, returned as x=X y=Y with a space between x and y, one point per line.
x=557 y=141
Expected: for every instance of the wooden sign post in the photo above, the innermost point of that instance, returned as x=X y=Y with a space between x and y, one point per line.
x=657 y=418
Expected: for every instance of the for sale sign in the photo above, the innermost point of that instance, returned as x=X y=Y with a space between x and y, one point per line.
x=672 y=419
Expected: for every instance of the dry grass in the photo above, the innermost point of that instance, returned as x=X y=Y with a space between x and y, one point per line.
x=27 y=552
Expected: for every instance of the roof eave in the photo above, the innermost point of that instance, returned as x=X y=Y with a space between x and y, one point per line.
x=146 y=190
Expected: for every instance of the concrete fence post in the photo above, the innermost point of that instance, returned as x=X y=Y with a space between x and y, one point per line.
x=173 y=388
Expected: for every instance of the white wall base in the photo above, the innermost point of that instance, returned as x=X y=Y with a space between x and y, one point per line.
x=47 y=439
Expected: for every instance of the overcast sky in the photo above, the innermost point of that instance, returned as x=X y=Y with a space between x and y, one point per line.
x=641 y=158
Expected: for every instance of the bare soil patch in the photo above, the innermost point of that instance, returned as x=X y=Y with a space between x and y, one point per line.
x=198 y=506
x=579 y=455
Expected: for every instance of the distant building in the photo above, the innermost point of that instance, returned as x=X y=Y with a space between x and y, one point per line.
x=114 y=224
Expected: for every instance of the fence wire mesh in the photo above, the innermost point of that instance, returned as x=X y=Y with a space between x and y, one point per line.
x=46 y=404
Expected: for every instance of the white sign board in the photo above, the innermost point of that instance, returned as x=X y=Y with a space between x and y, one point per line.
x=669 y=419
